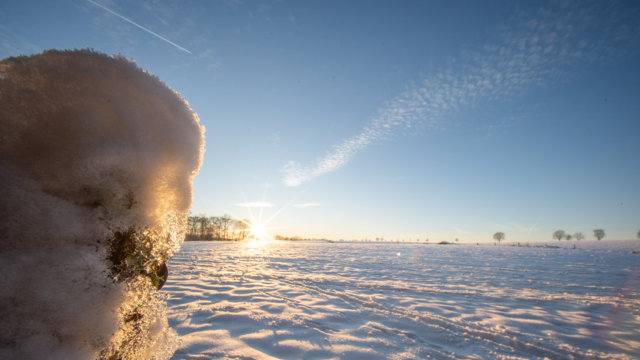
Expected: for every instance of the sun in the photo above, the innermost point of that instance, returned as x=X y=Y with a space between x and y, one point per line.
x=258 y=231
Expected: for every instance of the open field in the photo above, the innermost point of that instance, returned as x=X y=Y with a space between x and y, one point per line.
x=318 y=300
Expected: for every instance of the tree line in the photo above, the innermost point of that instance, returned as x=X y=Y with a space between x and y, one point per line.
x=226 y=228
x=562 y=235
x=200 y=227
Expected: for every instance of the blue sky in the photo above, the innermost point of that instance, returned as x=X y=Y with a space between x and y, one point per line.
x=402 y=120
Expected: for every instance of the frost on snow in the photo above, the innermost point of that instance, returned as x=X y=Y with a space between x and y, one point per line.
x=306 y=300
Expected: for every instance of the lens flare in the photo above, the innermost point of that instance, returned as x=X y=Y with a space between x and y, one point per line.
x=258 y=231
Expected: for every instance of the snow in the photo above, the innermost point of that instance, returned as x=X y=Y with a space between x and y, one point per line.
x=97 y=160
x=317 y=300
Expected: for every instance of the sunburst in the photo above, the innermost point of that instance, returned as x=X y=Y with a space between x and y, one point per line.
x=258 y=231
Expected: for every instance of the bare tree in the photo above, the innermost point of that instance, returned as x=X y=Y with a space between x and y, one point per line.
x=240 y=228
x=558 y=235
x=568 y=237
x=216 y=232
x=499 y=236
x=578 y=236
x=201 y=227
x=192 y=227
x=204 y=226
x=598 y=234
x=225 y=225
x=638 y=234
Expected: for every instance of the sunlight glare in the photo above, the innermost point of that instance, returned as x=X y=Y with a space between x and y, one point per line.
x=258 y=231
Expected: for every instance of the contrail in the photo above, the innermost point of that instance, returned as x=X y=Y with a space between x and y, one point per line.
x=140 y=26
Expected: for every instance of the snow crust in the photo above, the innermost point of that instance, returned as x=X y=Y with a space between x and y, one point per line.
x=291 y=300
x=91 y=146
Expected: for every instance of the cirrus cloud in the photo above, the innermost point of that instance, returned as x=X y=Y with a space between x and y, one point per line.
x=532 y=50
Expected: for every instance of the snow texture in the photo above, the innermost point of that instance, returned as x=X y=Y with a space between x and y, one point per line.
x=299 y=300
x=97 y=159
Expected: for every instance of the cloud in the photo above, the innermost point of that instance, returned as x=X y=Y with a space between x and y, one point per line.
x=139 y=26
x=336 y=158
x=532 y=50
x=97 y=160
x=256 y=204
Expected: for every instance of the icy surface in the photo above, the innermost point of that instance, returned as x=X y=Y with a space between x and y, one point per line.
x=404 y=301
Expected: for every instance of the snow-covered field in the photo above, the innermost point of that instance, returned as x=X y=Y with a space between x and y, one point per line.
x=318 y=300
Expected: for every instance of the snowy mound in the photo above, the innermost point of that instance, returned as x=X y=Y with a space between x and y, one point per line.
x=97 y=160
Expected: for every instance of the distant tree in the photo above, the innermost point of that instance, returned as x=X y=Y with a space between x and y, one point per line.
x=225 y=222
x=457 y=239
x=205 y=227
x=558 y=235
x=638 y=234
x=598 y=234
x=568 y=237
x=499 y=236
x=192 y=227
x=214 y=228
x=578 y=236
x=241 y=229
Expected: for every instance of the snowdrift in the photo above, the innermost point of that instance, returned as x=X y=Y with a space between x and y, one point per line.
x=97 y=159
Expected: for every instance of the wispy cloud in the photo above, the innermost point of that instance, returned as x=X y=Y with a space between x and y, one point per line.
x=256 y=204
x=336 y=158
x=530 y=51
x=139 y=26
